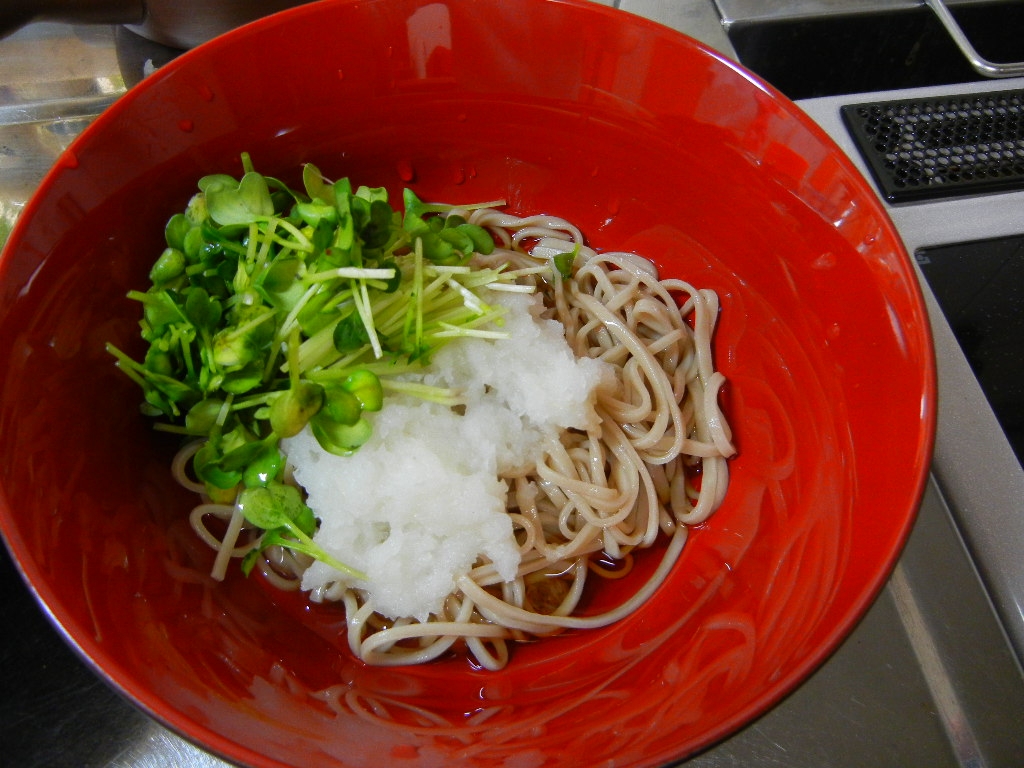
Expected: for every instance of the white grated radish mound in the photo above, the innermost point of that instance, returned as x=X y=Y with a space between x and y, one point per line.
x=418 y=504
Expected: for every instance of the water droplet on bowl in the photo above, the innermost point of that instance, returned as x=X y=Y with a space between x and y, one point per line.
x=205 y=93
x=458 y=175
x=827 y=260
x=461 y=117
x=186 y=125
x=69 y=159
x=341 y=74
x=406 y=172
x=613 y=206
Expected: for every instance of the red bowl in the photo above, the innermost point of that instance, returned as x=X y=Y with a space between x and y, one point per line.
x=648 y=141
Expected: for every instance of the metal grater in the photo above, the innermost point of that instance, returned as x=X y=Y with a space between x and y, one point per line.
x=928 y=148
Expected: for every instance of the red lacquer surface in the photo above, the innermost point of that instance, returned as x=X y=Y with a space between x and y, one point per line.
x=647 y=141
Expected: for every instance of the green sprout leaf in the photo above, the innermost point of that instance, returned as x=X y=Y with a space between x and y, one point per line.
x=246 y=202
x=292 y=409
x=201 y=418
x=366 y=387
x=168 y=267
x=265 y=467
x=350 y=334
x=341 y=406
x=287 y=521
x=271 y=310
x=275 y=506
x=208 y=468
x=338 y=438
x=316 y=186
x=563 y=262
x=203 y=311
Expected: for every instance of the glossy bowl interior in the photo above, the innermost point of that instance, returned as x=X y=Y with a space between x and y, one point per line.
x=646 y=140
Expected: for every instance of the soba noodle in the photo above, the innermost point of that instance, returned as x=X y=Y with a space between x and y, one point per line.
x=596 y=496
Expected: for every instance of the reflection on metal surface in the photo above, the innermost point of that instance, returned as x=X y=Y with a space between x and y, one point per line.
x=947 y=701
x=153 y=746
x=982 y=65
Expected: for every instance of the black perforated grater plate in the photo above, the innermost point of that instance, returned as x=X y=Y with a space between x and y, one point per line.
x=922 y=149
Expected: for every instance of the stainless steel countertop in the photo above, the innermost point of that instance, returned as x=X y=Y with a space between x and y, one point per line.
x=927 y=678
